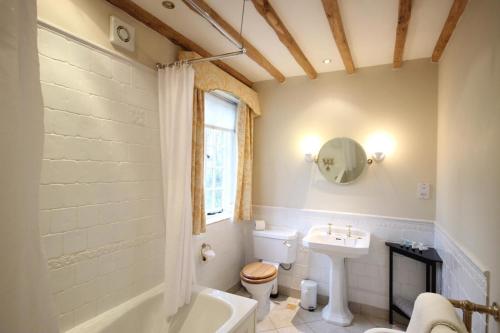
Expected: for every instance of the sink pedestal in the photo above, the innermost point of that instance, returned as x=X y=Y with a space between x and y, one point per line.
x=337 y=312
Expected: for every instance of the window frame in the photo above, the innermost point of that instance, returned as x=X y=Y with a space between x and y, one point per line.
x=231 y=164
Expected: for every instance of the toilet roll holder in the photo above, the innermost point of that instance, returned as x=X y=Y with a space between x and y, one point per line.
x=205 y=247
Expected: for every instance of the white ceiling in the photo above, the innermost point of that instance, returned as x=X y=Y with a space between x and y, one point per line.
x=370 y=27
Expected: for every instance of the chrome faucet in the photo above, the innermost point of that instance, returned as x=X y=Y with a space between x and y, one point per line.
x=349 y=227
x=329 y=228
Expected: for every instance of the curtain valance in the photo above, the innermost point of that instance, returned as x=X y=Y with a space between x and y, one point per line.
x=209 y=77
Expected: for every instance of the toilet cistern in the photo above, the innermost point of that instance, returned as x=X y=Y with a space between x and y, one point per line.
x=337 y=243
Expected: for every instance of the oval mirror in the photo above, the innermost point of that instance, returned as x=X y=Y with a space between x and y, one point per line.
x=341 y=160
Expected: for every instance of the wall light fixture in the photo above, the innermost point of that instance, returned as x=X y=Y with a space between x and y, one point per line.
x=310 y=146
x=379 y=145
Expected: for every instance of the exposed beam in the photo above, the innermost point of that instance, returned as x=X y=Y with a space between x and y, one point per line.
x=456 y=11
x=401 y=31
x=269 y=14
x=252 y=52
x=175 y=37
x=332 y=12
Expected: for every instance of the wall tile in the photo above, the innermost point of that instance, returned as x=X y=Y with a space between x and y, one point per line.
x=461 y=277
x=79 y=55
x=100 y=63
x=368 y=275
x=98 y=218
x=75 y=241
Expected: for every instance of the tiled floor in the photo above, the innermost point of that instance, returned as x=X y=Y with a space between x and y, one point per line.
x=286 y=316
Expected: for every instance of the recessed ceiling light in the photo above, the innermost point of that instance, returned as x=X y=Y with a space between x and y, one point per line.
x=327 y=61
x=168 y=4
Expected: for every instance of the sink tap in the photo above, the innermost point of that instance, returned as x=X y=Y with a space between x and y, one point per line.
x=349 y=227
x=329 y=228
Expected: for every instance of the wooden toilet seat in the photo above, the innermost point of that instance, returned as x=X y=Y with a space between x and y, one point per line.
x=258 y=273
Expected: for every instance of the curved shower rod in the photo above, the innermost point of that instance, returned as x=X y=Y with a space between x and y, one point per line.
x=200 y=11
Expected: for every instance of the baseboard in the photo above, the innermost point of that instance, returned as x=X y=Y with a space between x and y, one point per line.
x=357 y=308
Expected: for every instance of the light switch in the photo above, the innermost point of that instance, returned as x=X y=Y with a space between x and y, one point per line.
x=423 y=191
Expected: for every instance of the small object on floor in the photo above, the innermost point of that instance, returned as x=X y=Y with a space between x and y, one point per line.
x=291 y=306
x=308 y=294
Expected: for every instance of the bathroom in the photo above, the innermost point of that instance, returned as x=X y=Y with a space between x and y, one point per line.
x=250 y=166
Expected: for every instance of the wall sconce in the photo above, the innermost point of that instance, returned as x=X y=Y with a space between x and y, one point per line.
x=377 y=156
x=378 y=146
x=310 y=146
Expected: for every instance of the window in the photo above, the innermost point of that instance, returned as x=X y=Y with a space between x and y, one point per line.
x=220 y=155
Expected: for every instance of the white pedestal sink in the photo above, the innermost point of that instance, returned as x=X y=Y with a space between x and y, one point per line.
x=337 y=243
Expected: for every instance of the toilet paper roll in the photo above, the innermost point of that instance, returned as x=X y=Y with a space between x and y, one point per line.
x=260 y=225
x=208 y=254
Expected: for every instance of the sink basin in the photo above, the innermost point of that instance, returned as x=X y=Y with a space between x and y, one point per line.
x=338 y=243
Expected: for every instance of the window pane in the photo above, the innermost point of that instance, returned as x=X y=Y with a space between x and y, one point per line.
x=218 y=199
x=219 y=112
x=220 y=155
x=209 y=178
x=209 y=201
x=218 y=177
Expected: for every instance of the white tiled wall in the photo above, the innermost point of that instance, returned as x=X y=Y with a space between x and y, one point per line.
x=461 y=277
x=226 y=239
x=368 y=275
x=100 y=192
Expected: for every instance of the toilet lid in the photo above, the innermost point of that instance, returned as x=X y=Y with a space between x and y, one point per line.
x=259 y=271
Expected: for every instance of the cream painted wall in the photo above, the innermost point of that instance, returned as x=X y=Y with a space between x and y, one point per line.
x=89 y=19
x=468 y=137
x=401 y=103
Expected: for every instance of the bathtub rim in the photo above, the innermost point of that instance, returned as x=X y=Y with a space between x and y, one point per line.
x=241 y=309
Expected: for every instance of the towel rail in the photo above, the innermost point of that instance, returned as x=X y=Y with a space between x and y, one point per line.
x=468 y=308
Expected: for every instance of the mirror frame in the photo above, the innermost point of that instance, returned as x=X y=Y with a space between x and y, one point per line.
x=368 y=161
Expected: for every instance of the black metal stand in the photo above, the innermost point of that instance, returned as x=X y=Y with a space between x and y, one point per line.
x=429 y=257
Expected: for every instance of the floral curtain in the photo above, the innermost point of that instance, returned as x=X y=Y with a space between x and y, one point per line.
x=197 y=160
x=243 y=202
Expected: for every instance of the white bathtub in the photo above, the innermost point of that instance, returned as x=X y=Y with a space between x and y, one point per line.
x=210 y=310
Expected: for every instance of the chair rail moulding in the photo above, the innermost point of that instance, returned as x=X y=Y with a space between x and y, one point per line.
x=209 y=77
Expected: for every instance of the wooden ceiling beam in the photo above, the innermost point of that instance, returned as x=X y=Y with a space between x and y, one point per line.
x=252 y=52
x=175 y=37
x=269 y=14
x=332 y=12
x=456 y=11
x=404 y=16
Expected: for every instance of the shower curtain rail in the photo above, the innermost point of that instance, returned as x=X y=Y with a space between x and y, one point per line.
x=194 y=61
x=200 y=11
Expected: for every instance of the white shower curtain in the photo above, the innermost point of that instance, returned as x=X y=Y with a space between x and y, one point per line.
x=176 y=86
x=25 y=302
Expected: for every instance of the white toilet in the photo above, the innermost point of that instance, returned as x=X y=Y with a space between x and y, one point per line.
x=272 y=247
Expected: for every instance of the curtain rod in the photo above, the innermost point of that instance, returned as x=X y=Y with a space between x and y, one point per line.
x=203 y=13
x=200 y=11
x=194 y=61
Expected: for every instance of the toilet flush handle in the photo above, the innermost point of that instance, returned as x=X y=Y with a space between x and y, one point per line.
x=287 y=243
